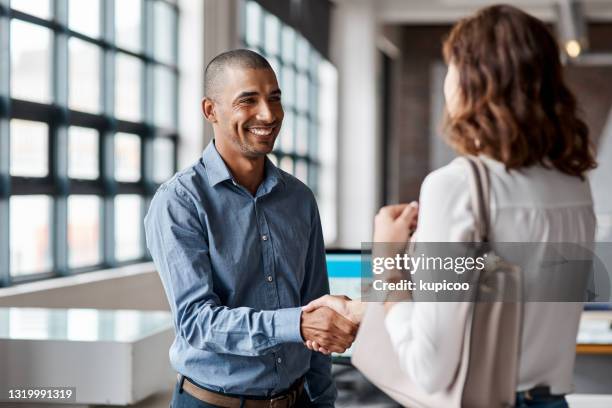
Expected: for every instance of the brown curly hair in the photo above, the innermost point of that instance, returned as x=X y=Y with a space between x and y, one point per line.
x=514 y=105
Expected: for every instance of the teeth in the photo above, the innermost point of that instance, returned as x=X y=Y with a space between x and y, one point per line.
x=261 y=131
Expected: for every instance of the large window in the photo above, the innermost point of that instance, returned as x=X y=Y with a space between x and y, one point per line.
x=306 y=146
x=88 y=130
x=296 y=64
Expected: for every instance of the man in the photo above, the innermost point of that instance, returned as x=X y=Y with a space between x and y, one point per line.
x=238 y=245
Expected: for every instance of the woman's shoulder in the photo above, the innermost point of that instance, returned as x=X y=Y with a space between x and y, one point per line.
x=448 y=178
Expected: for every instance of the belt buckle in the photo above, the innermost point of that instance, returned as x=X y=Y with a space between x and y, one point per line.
x=276 y=402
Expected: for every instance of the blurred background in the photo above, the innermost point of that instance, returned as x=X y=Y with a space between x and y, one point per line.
x=100 y=104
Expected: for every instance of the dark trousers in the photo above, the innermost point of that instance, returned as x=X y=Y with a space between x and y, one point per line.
x=181 y=399
x=542 y=402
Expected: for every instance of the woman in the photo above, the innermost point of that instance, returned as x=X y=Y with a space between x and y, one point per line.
x=508 y=104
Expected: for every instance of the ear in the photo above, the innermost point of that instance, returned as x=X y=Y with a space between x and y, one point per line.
x=208 y=108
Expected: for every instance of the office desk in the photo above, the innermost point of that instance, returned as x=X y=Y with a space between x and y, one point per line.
x=114 y=357
x=595 y=333
x=594 y=353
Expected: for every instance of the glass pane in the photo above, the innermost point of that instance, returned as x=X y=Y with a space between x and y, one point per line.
x=84 y=79
x=30 y=234
x=163 y=153
x=301 y=140
x=253 y=23
x=288 y=44
x=272 y=30
x=287 y=86
x=83 y=153
x=286 y=163
x=127 y=157
x=301 y=171
x=83 y=231
x=38 y=8
x=128 y=222
x=164 y=32
x=303 y=52
x=84 y=17
x=302 y=92
x=164 y=97
x=128 y=87
x=273 y=159
x=30 y=62
x=29 y=148
x=127 y=24
x=287 y=131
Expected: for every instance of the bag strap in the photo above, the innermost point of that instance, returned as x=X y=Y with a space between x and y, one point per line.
x=480 y=189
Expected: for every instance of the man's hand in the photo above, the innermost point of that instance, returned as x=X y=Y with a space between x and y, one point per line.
x=328 y=329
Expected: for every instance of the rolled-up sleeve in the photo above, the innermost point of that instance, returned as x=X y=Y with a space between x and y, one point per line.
x=319 y=383
x=178 y=244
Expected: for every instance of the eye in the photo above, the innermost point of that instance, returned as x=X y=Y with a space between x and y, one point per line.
x=247 y=101
x=275 y=98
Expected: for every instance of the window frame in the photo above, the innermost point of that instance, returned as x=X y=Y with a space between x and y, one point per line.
x=59 y=117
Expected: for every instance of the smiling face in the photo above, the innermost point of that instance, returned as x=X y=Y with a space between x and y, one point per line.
x=246 y=112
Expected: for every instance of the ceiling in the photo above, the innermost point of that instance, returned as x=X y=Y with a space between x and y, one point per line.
x=445 y=11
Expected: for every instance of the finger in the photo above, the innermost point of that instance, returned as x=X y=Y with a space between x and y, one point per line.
x=324 y=351
x=317 y=303
x=345 y=326
x=393 y=210
x=409 y=213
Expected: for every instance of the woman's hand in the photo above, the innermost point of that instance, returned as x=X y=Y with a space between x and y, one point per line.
x=396 y=223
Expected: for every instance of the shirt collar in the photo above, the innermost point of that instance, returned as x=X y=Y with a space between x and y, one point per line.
x=217 y=170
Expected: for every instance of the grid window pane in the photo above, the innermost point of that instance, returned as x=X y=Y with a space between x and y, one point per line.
x=301 y=171
x=128 y=87
x=164 y=32
x=127 y=157
x=301 y=139
x=83 y=231
x=288 y=44
x=29 y=148
x=287 y=132
x=253 y=26
x=30 y=234
x=128 y=24
x=38 y=8
x=302 y=93
x=164 y=97
x=83 y=148
x=84 y=76
x=303 y=52
x=272 y=31
x=286 y=163
x=163 y=153
x=128 y=215
x=30 y=62
x=287 y=86
x=84 y=17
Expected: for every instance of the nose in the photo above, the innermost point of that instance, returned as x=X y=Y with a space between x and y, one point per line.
x=265 y=113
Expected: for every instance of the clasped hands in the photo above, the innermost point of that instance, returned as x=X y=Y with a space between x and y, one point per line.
x=330 y=323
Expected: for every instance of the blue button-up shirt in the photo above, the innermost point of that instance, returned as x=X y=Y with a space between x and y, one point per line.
x=236 y=268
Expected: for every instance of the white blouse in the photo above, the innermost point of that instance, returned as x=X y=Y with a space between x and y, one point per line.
x=532 y=205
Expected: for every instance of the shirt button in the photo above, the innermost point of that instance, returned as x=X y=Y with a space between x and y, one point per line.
x=269 y=278
x=264 y=237
x=279 y=360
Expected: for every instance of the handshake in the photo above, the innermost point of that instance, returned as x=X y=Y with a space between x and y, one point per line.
x=330 y=323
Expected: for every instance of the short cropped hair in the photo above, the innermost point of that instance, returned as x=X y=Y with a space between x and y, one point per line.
x=514 y=103
x=241 y=58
